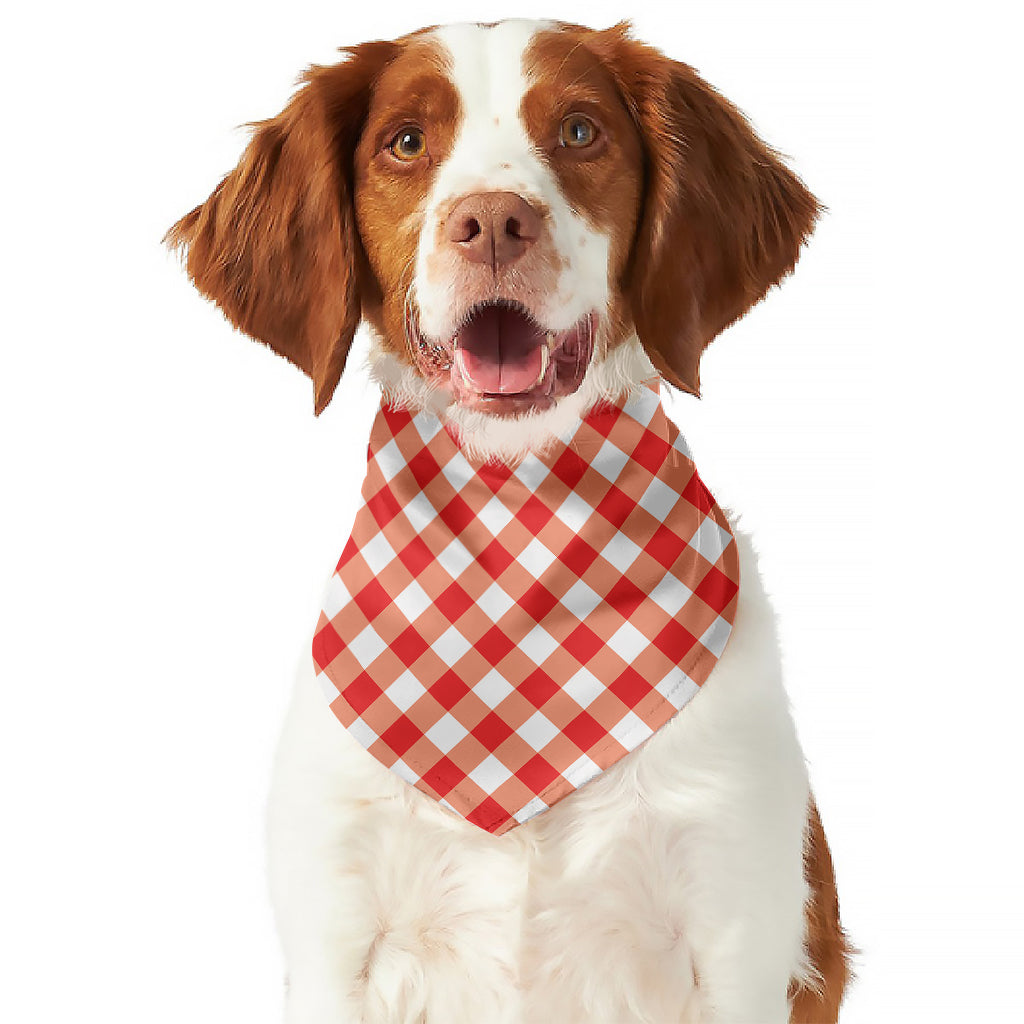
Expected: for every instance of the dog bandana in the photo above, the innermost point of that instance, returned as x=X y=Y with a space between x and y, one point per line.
x=497 y=636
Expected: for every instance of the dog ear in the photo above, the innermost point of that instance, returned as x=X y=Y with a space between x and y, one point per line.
x=723 y=219
x=275 y=245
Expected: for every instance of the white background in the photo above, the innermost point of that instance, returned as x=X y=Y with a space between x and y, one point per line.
x=171 y=508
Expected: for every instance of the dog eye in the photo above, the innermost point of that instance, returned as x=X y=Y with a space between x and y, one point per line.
x=409 y=144
x=577 y=132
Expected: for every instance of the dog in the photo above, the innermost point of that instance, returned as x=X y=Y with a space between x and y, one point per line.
x=534 y=219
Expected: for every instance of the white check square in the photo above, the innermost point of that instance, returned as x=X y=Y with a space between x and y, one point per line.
x=677 y=688
x=493 y=688
x=336 y=596
x=609 y=461
x=538 y=645
x=405 y=691
x=584 y=688
x=450 y=646
x=710 y=540
x=412 y=602
x=574 y=512
x=377 y=553
x=716 y=636
x=457 y=471
x=495 y=516
x=683 y=448
x=327 y=687
x=532 y=472
x=535 y=806
x=627 y=642
x=535 y=558
x=621 y=552
x=419 y=515
x=367 y=646
x=490 y=773
x=428 y=427
x=643 y=404
x=363 y=733
x=446 y=732
x=390 y=461
x=580 y=600
x=494 y=602
x=630 y=730
x=580 y=771
x=659 y=499
x=455 y=559
x=670 y=595
x=403 y=771
x=538 y=731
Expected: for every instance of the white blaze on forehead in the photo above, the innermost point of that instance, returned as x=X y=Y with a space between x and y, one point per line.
x=493 y=152
x=492 y=149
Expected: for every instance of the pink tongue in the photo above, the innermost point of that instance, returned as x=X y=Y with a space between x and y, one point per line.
x=500 y=349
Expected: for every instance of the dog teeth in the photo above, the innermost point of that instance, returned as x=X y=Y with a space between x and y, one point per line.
x=545 y=359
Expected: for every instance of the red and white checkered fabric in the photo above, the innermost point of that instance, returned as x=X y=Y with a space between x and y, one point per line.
x=498 y=636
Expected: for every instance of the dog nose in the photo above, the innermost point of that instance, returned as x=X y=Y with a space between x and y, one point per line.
x=493 y=227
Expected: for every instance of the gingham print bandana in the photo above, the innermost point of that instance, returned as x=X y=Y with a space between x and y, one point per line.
x=498 y=636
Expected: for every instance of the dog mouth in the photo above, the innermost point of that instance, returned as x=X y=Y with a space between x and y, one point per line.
x=500 y=359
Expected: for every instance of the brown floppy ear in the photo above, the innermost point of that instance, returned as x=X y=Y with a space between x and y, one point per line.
x=723 y=218
x=275 y=245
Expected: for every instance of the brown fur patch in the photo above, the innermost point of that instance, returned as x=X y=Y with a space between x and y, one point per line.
x=390 y=196
x=828 y=947
x=723 y=219
x=275 y=245
x=604 y=181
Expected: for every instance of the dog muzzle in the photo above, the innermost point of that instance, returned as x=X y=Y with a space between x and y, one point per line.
x=497 y=636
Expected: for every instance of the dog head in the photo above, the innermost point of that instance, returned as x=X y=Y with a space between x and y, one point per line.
x=524 y=213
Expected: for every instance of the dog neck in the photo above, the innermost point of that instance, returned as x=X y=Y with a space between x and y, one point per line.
x=619 y=372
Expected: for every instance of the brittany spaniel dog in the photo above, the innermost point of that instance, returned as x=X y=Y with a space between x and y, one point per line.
x=532 y=218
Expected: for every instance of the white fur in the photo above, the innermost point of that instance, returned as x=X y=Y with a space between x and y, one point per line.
x=493 y=151
x=673 y=880
x=510 y=438
x=669 y=888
